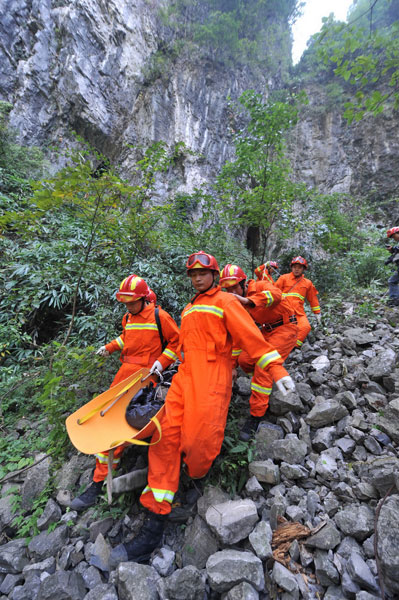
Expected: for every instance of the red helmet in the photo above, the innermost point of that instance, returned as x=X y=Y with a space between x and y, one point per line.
x=151 y=296
x=298 y=260
x=132 y=288
x=260 y=271
x=202 y=260
x=392 y=231
x=230 y=275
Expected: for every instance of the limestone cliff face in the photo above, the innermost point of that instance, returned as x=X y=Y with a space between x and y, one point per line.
x=81 y=65
x=74 y=65
x=361 y=159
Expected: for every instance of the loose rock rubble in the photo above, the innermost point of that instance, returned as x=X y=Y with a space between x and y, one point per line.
x=317 y=518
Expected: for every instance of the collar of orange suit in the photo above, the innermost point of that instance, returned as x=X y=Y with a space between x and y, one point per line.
x=144 y=313
x=210 y=292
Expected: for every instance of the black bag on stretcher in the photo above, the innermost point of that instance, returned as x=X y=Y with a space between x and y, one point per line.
x=148 y=401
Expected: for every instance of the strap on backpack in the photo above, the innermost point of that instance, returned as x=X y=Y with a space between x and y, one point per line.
x=158 y=320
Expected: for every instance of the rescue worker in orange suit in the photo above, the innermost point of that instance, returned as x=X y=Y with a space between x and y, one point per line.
x=266 y=271
x=198 y=399
x=393 y=281
x=275 y=316
x=151 y=297
x=140 y=346
x=295 y=286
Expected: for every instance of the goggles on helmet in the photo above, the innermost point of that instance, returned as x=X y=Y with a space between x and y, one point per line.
x=298 y=260
x=204 y=260
x=230 y=275
x=132 y=288
x=124 y=298
x=226 y=283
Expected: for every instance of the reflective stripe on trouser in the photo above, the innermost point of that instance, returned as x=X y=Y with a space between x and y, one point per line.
x=282 y=338
x=192 y=427
x=303 y=329
x=101 y=470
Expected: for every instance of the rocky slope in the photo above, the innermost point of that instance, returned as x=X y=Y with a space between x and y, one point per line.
x=317 y=518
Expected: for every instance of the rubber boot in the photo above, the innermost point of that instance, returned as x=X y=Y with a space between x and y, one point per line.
x=88 y=498
x=249 y=428
x=142 y=546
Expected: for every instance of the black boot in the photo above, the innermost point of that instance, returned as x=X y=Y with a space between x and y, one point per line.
x=88 y=498
x=142 y=546
x=249 y=428
x=185 y=502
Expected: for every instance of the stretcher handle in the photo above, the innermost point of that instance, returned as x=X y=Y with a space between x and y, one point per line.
x=141 y=442
x=99 y=408
x=155 y=372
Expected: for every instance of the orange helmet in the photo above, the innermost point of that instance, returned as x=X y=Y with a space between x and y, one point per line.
x=298 y=260
x=392 y=231
x=151 y=296
x=230 y=275
x=202 y=260
x=260 y=271
x=132 y=288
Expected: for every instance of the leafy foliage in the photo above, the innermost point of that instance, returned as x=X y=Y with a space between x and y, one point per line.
x=26 y=524
x=256 y=188
x=364 y=55
x=17 y=165
x=235 y=32
x=78 y=223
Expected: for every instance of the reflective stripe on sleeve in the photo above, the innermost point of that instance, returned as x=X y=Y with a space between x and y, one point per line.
x=236 y=352
x=159 y=495
x=169 y=354
x=315 y=309
x=120 y=342
x=267 y=358
x=269 y=297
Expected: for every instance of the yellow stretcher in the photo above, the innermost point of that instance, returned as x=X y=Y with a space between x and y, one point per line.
x=101 y=425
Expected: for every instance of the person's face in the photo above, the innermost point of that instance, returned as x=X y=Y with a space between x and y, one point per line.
x=297 y=269
x=235 y=289
x=202 y=279
x=134 y=307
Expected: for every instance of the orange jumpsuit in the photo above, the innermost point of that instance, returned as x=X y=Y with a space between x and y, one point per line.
x=276 y=316
x=198 y=399
x=299 y=289
x=262 y=274
x=140 y=344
